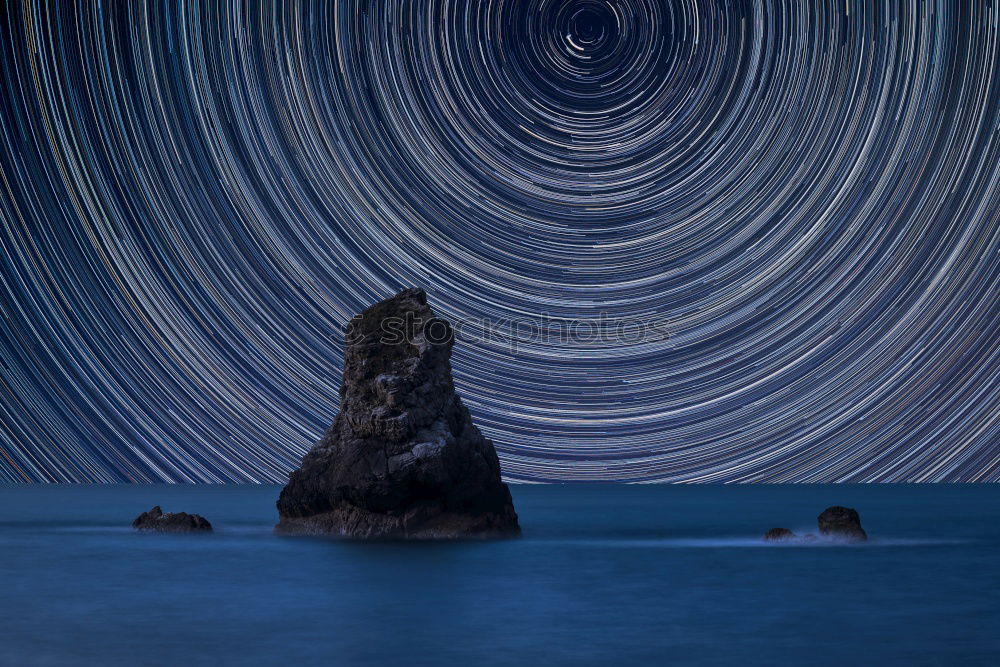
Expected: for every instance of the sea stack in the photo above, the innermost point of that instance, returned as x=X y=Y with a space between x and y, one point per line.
x=403 y=459
x=155 y=520
x=842 y=523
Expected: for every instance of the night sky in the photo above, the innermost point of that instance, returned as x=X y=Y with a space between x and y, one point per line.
x=805 y=195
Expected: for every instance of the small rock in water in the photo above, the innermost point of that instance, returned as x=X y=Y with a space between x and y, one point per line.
x=171 y=522
x=841 y=522
x=779 y=535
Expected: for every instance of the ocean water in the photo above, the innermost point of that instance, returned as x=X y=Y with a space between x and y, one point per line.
x=605 y=574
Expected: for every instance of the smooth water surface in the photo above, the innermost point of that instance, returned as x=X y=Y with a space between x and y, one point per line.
x=605 y=574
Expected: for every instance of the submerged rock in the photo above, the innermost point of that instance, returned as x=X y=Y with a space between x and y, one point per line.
x=842 y=523
x=171 y=522
x=402 y=458
x=779 y=535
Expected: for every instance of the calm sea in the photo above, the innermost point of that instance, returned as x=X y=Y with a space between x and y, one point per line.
x=604 y=574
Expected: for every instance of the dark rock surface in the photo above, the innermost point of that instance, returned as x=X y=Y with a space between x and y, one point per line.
x=171 y=522
x=779 y=535
x=402 y=458
x=842 y=523
x=838 y=523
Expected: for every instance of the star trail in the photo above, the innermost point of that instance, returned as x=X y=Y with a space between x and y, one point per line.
x=196 y=197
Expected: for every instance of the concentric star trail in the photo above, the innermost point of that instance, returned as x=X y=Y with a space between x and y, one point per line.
x=197 y=196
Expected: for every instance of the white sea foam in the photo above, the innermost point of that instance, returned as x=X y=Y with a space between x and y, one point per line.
x=753 y=542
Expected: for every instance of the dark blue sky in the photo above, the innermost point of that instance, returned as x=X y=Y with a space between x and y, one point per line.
x=805 y=196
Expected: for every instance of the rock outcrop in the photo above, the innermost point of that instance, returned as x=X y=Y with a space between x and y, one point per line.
x=779 y=535
x=835 y=523
x=841 y=523
x=171 y=522
x=402 y=458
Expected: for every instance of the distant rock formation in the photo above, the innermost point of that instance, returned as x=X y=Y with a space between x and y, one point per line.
x=779 y=535
x=171 y=522
x=402 y=458
x=842 y=523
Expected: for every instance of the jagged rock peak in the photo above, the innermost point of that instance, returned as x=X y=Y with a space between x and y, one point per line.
x=402 y=458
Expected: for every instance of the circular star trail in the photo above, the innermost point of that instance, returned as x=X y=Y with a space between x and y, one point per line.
x=805 y=196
